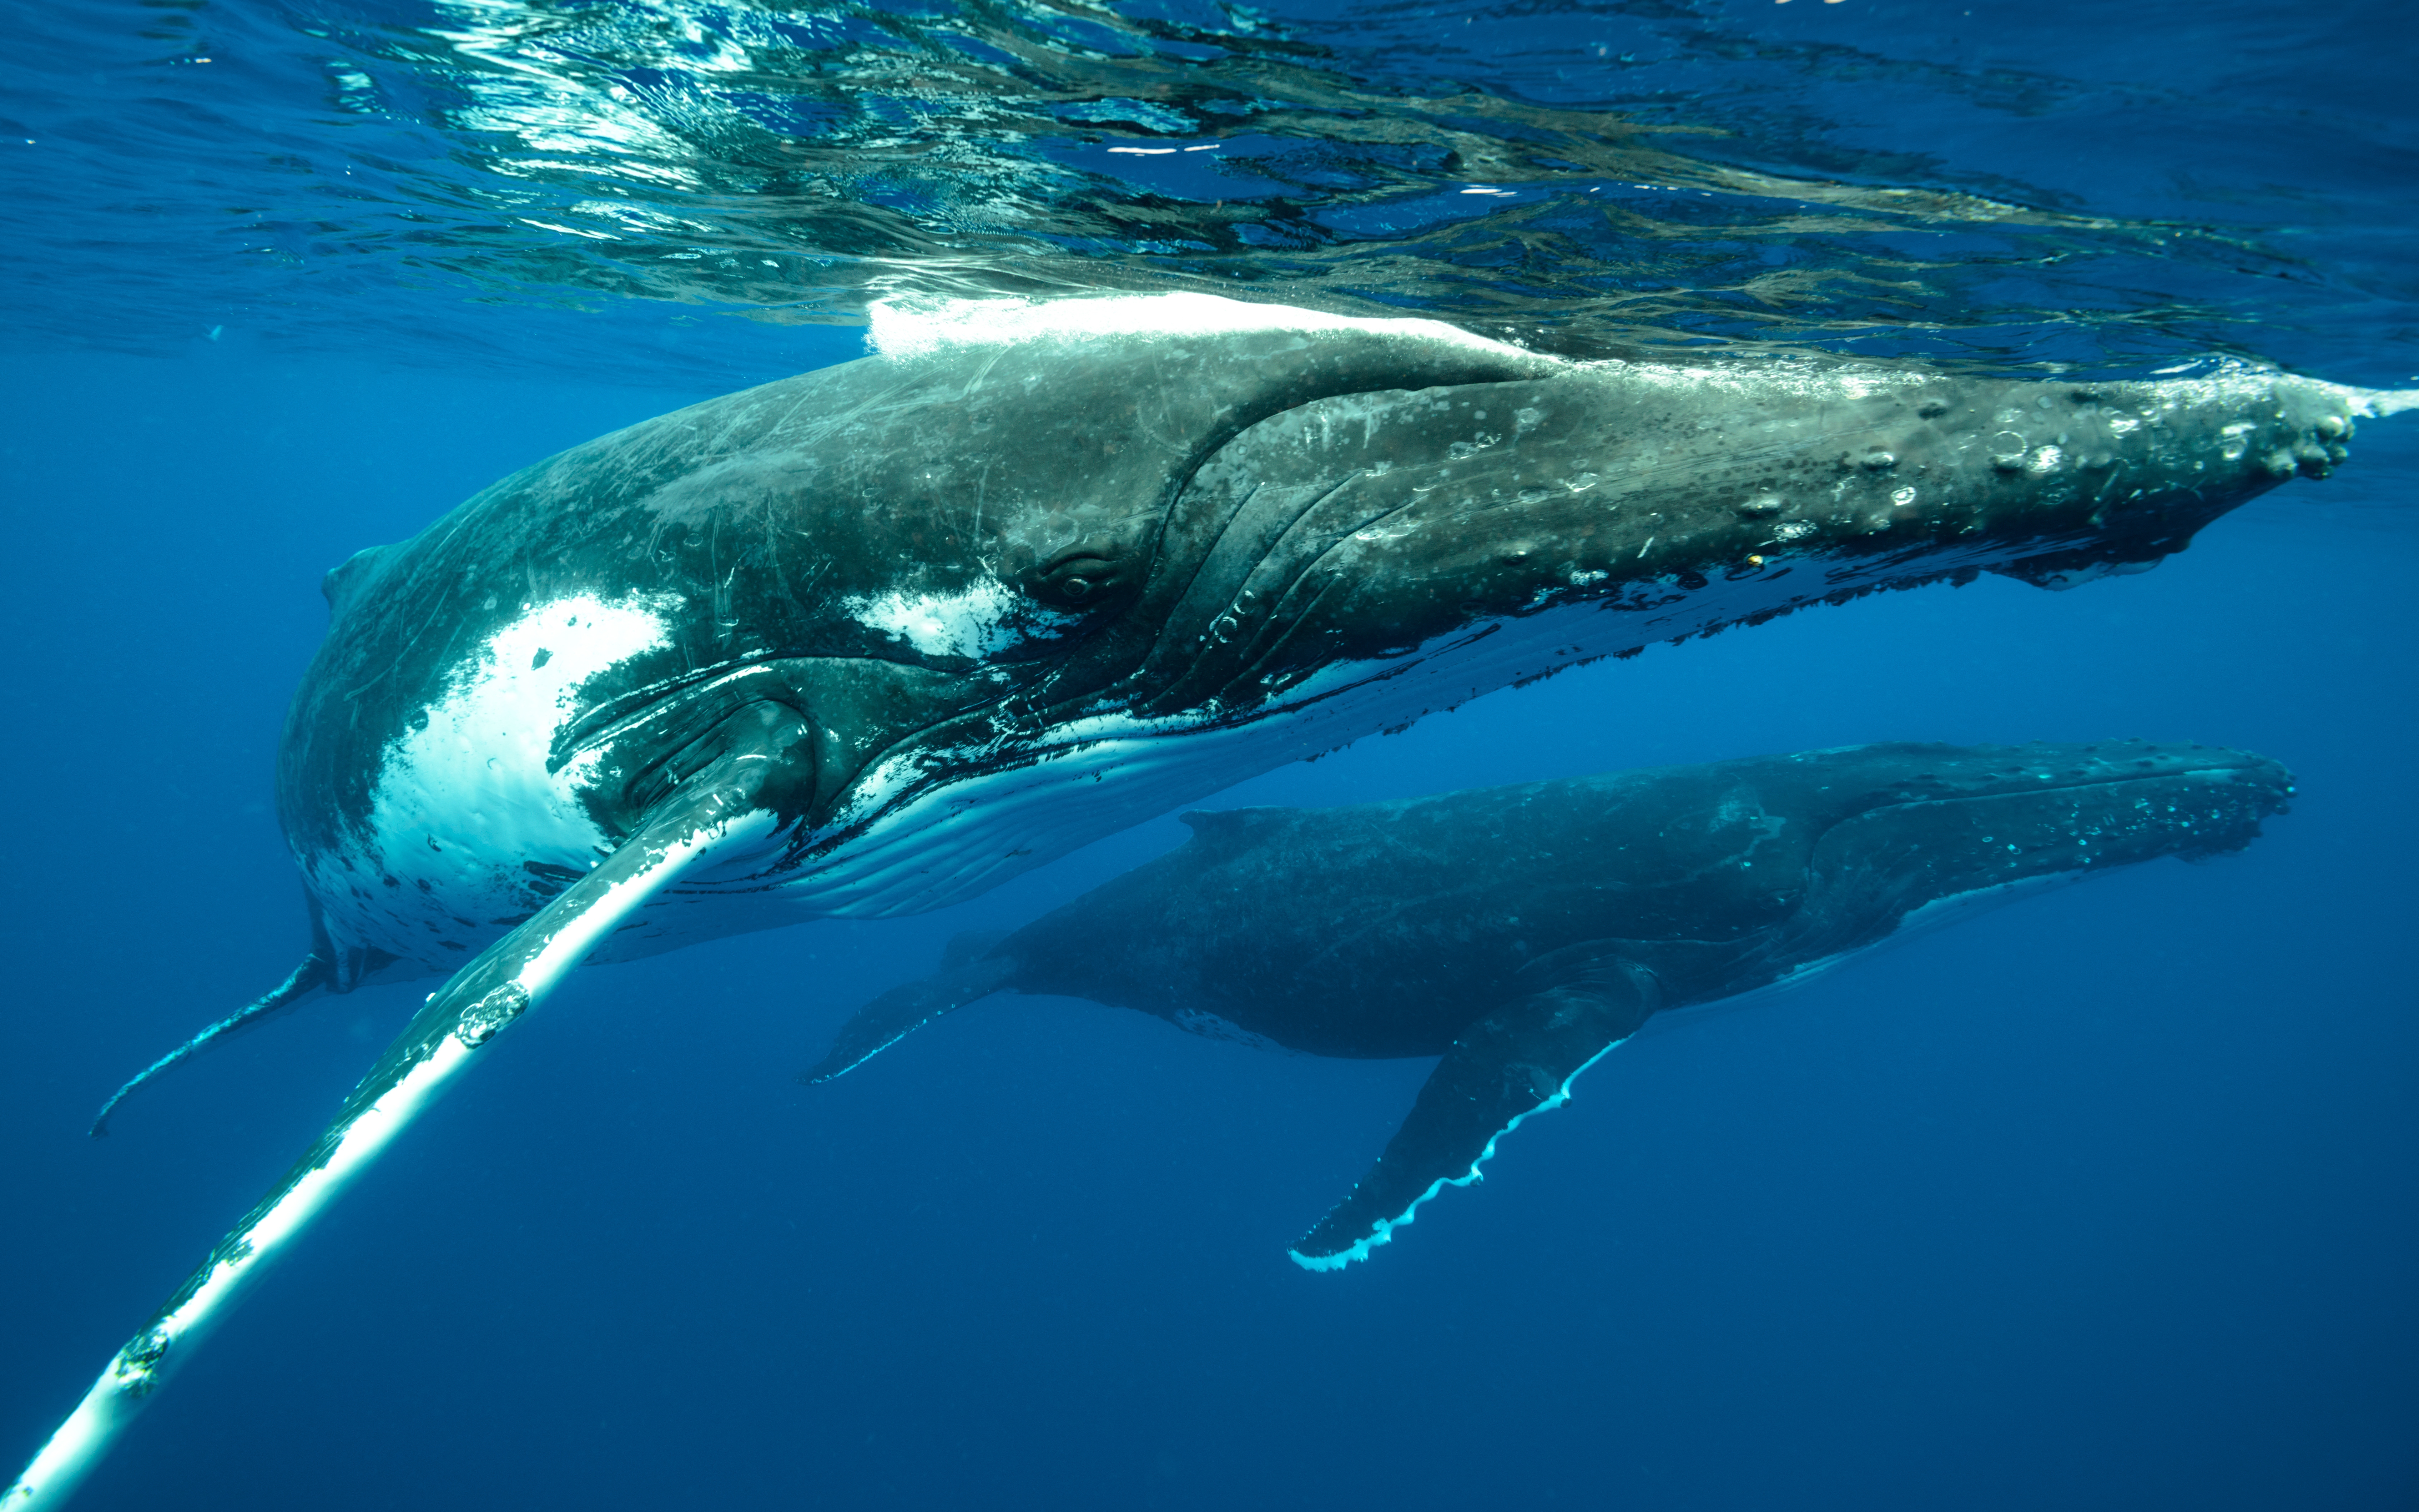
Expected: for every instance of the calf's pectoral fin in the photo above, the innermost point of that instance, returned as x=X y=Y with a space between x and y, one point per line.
x=902 y=1010
x=1517 y=1061
x=742 y=796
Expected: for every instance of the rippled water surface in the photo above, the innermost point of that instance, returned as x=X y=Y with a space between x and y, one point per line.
x=1997 y=185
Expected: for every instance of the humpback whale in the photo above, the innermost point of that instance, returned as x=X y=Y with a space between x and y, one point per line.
x=874 y=639
x=1520 y=932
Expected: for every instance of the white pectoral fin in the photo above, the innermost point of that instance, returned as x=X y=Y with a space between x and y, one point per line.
x=476 y=1004
x=895 y=1014
x=1516 y=1061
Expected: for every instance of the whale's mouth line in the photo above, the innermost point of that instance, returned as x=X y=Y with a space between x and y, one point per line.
x=820 y=845
x=1290 y=607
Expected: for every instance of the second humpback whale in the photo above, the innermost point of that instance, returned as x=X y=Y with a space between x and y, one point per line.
x=873 y=638
x=1519 y=933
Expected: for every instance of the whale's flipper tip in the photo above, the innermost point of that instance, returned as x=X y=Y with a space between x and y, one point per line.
x=2376 y=403
x=1514 y=1061
x=902 y=1010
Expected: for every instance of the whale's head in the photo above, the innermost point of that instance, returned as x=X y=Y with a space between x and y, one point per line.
x=1920 y=835
x=1160 y=586
x=1018 y=586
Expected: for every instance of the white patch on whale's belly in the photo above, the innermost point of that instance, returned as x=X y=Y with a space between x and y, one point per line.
x=465 y=799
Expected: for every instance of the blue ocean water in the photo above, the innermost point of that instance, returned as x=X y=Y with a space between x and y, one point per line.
x=2103 y=1200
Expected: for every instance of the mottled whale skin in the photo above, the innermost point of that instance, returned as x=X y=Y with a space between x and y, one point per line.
x=871 y=639
x=1519 y=933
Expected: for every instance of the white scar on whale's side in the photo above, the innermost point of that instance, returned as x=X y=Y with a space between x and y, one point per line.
x=980 y=621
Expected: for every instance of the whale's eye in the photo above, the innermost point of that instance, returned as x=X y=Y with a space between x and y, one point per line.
x=1080 y=579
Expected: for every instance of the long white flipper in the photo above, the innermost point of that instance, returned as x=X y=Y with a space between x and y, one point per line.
x=477 y=1003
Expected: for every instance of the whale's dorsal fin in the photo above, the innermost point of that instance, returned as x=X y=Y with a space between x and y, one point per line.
x=1516 y=1061
x=345 y=580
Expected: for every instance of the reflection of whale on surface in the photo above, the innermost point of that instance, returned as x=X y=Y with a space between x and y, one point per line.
x=874 y=639
x=1521 y=931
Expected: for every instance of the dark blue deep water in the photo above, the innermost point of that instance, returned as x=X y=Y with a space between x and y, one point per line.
x=2109 y=1200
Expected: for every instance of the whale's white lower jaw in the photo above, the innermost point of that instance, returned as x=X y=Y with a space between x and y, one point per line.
x=1923 y=920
